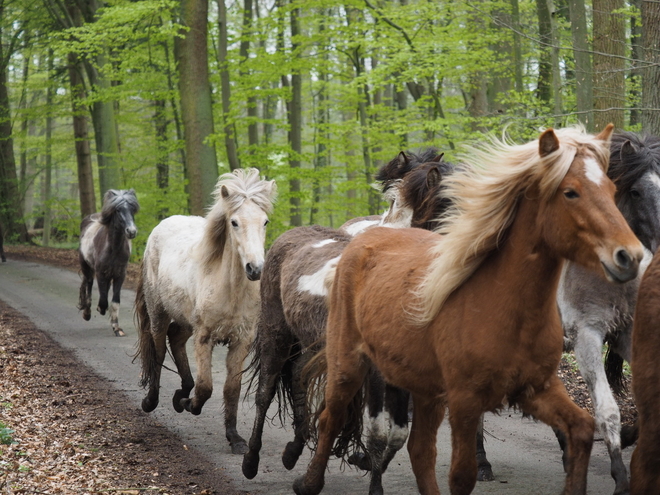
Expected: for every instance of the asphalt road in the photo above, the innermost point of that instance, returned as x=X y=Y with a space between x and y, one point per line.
x=525 y=456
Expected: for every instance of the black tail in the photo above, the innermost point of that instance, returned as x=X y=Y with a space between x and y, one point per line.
x=349 y=440
x=146 y=349
x=614 y=371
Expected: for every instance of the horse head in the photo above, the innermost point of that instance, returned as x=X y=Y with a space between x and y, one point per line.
x=635 y=169
x=580 y=219
x=240 y=216
x=119 y=209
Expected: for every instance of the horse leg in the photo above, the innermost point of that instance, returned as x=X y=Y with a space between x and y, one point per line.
x=236 y=355
x=177 y=337
x=153 y=348
x=85 y=299
x=114 y=307
x=588 y=354
x=104 y=287
x=427 y=416
x=345 y=378
x=484 y=469
x=554 y=407
x=204 y=382
x=396 y=403
x=294 y=449
x=376 y=430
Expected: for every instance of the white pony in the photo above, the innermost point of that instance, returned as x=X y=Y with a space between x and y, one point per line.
x=199 y=277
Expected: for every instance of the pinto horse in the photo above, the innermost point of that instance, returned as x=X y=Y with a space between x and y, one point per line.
x=645 y=462
x=199 y=278
x=105 y=247
x=443 y=316
x=293 y=312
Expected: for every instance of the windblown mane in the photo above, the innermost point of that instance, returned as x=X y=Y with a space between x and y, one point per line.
x=643 y=155
x=113 y=198
x=241 y=185
x=485 y=190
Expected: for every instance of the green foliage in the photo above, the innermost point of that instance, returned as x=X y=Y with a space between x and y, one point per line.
x=6 y=433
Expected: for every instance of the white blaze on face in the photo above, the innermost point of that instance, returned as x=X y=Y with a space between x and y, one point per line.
x=593 y=171
x=655 y=179
x=315 y=283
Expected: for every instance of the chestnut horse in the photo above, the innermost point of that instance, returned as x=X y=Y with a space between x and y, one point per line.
x=469 y=321
x=645 y=462
x=199 y=278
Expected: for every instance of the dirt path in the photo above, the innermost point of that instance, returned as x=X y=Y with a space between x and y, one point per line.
x=524 y=454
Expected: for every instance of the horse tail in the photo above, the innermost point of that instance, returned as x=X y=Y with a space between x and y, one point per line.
x=349 y=441
x=283 y=382
x=146 y=348
x=614 y=371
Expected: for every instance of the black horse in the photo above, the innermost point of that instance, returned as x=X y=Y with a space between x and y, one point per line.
x=105 y=246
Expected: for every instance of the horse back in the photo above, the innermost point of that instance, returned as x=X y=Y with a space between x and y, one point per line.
x=89 y=229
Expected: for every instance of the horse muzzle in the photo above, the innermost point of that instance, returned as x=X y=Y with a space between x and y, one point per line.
x=253 y=272
x=131 y=233
x=623 y=266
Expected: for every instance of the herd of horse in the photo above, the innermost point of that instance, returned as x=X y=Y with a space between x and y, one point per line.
x=487 y=269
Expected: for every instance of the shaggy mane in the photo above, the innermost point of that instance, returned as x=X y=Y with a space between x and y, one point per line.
x=115 y=197
x=484 y=192
x=242 y=185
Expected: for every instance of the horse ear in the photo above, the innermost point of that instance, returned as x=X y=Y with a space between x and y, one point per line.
x=403 y=160
x=606 y=133
x=273 y=188
x=628 y=150
x=548 y=142
x=438 y=158
x=224 y=192
x=433 y=178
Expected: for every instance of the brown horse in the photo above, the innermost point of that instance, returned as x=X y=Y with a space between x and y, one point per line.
x=645 y=462
x=469 y=321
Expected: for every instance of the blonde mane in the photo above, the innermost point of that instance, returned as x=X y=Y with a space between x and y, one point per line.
x=240 y=186
x=485 y=192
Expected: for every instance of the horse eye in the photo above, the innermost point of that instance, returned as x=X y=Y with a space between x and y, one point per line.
x=234 y=223
x=634 y=193
x=571 y=194
x=266 y=222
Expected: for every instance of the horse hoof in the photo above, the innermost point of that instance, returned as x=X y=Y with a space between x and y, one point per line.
x=300 y=489
x=101 y=310
x=87 y=315
x=360 y=460
x=119 y=332
x=485 y=474
x=187 y=405
x=239 y=448
x=148 y=406
x=250 y=464
x=177 y=400
x=290 y=456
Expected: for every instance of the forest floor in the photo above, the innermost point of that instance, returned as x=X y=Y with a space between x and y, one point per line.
x=82 y=436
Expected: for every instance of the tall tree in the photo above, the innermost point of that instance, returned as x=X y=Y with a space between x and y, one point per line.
x=651 y=71
x=228 y=128
x=583 y=74
x=48 y=158
x=609 y=34
x=191 y=52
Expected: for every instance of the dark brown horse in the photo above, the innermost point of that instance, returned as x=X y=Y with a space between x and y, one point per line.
x=293 y=310
x=105 y=247
x=645 y=463
x=469 y=320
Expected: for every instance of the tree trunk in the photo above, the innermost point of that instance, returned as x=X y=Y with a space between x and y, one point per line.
x=556 y=70
x=196 y=106
x=48 y=159
x=637 y=54
x=651 y=72
x=583 y=72
x=517 y=46
x=609 y=63
x=81 y=138
x=543 y=88
x=244 y=50
x=230 y=141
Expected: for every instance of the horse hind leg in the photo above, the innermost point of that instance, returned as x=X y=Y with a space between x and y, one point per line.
x=396 y=403
x=177 y=337
x=85 y=299
x=294 y=449
x=152 y=349
x=114 y=307
x=427 y=416
x=588 y=353
x=104 y=287
x=484 y=468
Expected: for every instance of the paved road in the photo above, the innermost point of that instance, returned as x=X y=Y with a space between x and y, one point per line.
x=524 y=454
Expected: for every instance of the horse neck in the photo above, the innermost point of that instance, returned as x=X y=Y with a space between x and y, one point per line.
x=525 y=263
x=116 y=235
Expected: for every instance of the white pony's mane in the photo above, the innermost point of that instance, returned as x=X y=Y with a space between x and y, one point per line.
x=240 y=186
x=485 y=193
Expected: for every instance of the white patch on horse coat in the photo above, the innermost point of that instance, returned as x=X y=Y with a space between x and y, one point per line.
x=87 y=242
x=655 y=179
x=397 y=437
x=114 y=312
x=593 y=171
x=359 y=227
x=324 y=242
x=315 y=283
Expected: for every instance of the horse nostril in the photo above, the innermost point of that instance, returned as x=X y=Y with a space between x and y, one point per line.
x=623 y=259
